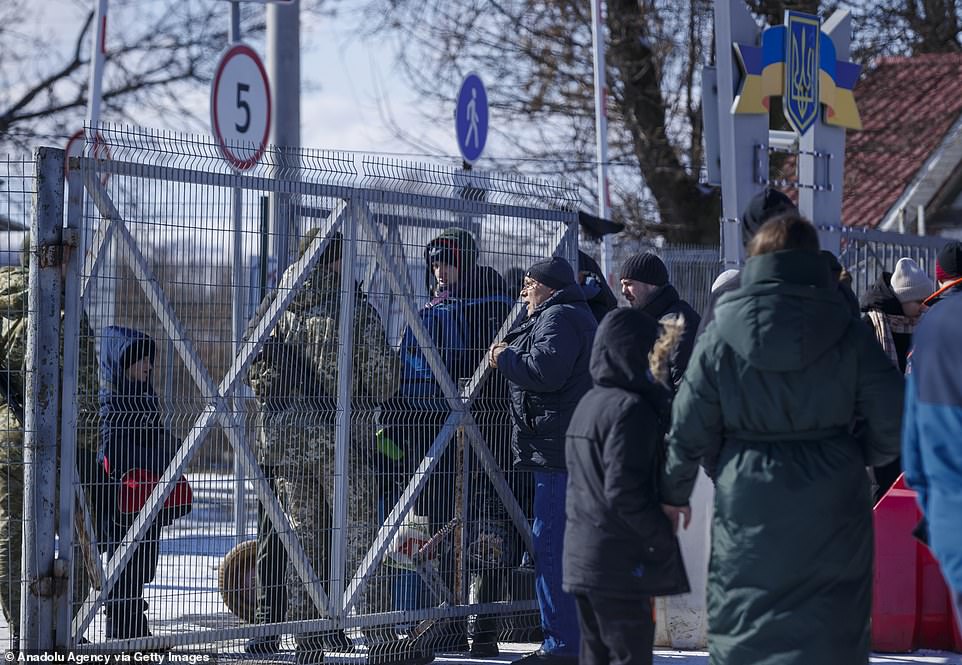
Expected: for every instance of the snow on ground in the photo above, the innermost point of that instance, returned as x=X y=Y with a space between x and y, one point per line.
x=184 y=597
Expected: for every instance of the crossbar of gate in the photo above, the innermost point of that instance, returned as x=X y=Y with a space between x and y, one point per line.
x=353 y=213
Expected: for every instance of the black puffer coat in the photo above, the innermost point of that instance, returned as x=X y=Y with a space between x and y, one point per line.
x=546 y=365
x=618 y=541
x=666 y=302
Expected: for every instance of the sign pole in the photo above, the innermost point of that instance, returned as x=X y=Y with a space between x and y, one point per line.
x=101 y=310
x=601 y=133
x=237 y=309
x=284 y=69
x=98 y=54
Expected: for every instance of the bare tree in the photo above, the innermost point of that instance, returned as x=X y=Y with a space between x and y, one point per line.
x=537 y=59
x=906 y=27
x=156 y=51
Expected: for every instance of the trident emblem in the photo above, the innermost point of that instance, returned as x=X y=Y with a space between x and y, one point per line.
x=801 y=77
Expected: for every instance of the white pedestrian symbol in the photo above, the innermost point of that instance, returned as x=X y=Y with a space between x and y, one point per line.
x=472 y=112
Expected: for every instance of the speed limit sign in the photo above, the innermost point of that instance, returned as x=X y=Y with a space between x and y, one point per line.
x=240 y=106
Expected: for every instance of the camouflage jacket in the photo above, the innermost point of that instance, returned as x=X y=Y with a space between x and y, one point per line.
x=296 y=376
x=14 y=293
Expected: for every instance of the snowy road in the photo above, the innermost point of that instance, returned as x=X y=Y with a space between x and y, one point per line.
x=184 y=597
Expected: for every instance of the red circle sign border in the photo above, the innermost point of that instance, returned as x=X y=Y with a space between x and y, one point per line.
x=235 y=161
x=99 y=145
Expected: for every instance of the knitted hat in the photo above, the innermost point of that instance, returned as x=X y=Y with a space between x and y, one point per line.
x=456 y=247
x=834 y=265
x=136 y=350
x=724 y=279
x=645 y=267
x=948 y=265
x=555 y=273
x=764 y=206
x=909 y=282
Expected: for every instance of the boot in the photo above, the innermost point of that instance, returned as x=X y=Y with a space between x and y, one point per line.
x=442 y=635
x=337 y=640
x=397 y=652
x=126 y=620
x=309 y=649
x=263 y=645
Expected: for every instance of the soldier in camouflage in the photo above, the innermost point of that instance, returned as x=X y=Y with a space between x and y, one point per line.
x=295 y=380
x=14 y=293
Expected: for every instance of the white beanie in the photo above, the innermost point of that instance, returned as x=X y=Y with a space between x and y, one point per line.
x=909 y=282
x=724 y=279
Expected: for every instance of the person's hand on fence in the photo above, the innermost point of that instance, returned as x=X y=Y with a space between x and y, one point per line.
x=494 y=352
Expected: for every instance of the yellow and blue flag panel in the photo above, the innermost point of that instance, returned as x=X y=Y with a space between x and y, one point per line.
x=764 y=75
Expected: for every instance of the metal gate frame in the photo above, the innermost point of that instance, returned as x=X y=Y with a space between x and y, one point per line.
x=351 y=213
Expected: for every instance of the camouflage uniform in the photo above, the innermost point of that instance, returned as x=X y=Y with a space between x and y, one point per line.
x=13 y=347
x=13 y=328
x=296 y=380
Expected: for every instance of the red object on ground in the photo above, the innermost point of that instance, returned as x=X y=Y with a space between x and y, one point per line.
x=911 y=605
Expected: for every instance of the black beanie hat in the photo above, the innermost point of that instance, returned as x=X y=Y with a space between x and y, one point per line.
x=948 y=264
x=763 y=206
x=136 y=350
x=555 y=273
x=645 y=267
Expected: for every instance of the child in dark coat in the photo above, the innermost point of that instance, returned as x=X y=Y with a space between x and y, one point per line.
x=620 y=548
x=133 y=437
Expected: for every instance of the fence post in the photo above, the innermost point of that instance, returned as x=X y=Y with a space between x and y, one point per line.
x=42 y=579
x=345 y=371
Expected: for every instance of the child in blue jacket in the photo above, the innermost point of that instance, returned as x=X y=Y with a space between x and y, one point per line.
x=134 y=440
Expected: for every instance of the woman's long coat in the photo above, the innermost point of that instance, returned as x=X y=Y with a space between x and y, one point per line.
x=771 y=391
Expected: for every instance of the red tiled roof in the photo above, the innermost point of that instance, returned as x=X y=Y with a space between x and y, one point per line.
x=907 y=106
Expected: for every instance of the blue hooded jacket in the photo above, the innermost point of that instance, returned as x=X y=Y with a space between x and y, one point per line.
x=932 y=430
x=132 y=431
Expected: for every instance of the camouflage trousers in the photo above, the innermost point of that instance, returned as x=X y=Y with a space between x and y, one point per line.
x=11 y=541
x=310 y=503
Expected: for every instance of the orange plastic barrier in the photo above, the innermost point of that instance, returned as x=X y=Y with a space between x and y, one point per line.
x=911 y=606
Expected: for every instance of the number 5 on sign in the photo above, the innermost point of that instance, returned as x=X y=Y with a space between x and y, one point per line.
x=240 y=106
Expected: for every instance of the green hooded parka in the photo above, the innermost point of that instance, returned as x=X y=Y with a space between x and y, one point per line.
x=771 y=391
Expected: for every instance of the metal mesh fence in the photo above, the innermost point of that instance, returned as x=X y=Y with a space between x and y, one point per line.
x=866 y=254
x=334 y=401
x=16 y=192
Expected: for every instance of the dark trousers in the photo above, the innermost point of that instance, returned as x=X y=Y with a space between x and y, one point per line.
x=615 y=631
x=271 y=563
x=125 y=606
x=885 y=477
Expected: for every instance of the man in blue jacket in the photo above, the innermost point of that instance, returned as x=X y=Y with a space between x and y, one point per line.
x=932 y=433
x=545 y=360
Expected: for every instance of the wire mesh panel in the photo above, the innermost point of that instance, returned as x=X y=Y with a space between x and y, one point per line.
x=308 y=451
x=16 y=191
x=866 y=254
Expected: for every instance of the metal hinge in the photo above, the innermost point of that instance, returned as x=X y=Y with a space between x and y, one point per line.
x=53 y=585
x=53 y=254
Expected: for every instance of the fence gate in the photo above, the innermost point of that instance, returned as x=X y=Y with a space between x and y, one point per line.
x=356 y=418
